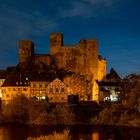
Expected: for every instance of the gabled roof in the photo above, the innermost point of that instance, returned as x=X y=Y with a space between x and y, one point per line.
x=56 y=80
x=113 y=76
x=2 y=74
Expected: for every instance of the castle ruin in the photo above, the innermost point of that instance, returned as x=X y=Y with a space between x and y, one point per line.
x=82 y=58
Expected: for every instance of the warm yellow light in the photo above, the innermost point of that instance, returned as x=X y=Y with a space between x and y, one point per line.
x=95 y=136
x=0 y=93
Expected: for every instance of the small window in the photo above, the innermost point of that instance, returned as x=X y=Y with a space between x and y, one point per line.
x=51 y=90
x=57 y=90
x=34 y=86
x=14 y=89
x=62 y=89
x=24 y=89
x=7 y=95
x=51 y=98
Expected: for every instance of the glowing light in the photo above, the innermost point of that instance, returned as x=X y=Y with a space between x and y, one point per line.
x=95 y=136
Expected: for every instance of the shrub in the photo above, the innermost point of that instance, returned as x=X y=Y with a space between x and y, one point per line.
x=55 y=136
x=16 y=110
x=37 y=112
x=64 y=115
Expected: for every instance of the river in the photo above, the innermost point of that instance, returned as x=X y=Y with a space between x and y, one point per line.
x=77 y=133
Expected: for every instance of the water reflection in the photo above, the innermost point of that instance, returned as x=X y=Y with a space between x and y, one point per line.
x=4 y=134
x=95 y=136
x=77 y=133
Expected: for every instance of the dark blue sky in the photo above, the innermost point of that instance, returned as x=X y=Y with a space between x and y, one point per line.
x=115 y=23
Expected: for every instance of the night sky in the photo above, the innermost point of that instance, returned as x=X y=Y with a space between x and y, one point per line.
x=115 y=23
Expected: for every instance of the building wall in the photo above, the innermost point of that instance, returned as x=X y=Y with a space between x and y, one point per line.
x=95 y=91
x=26 y=51
x=101 y=69
x=56 y=41
x=1 y=83
x=38 y=89
x=109 y=93
x=82 y=58
x=57 y=91
x=9 y=92
x=38 y=58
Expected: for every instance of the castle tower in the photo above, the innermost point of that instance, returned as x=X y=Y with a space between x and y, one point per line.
x=26 y=51
x=92 y=58
x=101 y=68
x=56 y=42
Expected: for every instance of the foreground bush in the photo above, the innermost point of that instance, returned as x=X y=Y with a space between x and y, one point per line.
x=55 y=136
x=35 y=112
x=63 y=115
x=16 y=110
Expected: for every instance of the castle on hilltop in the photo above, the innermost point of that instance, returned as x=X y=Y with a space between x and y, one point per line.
x=67 y=72
x=82 y=58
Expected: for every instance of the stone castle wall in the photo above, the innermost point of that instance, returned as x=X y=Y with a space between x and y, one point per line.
x=82 y=58
x=26 y=51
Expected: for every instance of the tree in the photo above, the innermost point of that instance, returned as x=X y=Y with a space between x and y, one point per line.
x=64 y=114
x=131 y=87
x=16 y=110
x=37 y=110
x=79 y=85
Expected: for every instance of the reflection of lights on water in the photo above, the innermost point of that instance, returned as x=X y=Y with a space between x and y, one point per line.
x=95 y=136
x=0 y=93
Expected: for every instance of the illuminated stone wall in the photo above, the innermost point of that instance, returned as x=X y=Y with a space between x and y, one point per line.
x=9 y=92
x=57 y=91
x=38 y=89
x=26 y=51
x=45 y=59
x=1 y=83
x=81 y=58
x=101 y=68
